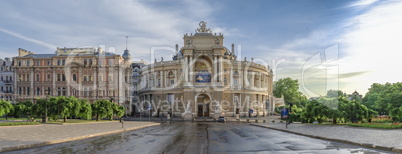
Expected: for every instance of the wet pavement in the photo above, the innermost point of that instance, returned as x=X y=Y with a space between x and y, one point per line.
x=201 y=137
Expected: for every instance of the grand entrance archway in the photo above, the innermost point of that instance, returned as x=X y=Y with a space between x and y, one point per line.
x=203 y=101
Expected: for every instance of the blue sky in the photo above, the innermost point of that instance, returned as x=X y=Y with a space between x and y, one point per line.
x=360 y=38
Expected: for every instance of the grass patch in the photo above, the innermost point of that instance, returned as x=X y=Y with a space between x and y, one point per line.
x=13 y=119
x=76 y=121
x=378 y=125
x=18 y=123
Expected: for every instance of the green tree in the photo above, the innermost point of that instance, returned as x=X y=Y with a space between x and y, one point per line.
x=5 y=108
x=384 y=99
x=334 y=93
x=118 y=110
x=40 y=109
x=102 y=109
x=69 y=106
x=19 y=110
x=289 y=88
x=86 y=109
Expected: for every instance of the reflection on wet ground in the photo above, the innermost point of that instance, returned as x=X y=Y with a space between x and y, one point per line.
x=207 y=137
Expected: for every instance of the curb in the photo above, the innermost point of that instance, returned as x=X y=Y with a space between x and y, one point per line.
x=99 y=122
x=71 y=139
x=368 y=145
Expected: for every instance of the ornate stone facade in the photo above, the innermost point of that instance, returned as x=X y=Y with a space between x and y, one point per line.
x=207 y=78
x=86 y=73
x=6 y=80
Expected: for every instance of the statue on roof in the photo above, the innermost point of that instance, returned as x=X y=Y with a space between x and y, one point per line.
x=203 y=28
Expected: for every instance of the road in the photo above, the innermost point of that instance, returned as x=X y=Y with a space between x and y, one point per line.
x=204 y=137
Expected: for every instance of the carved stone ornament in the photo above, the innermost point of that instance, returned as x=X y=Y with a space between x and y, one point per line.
x=203 y=28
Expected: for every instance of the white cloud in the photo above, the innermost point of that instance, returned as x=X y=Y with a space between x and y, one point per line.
x=48 y=45
x=108 y=22
x=374 y=46
x=361 y=3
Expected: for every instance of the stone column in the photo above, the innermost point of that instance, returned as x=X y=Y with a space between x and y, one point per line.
x=221 y=70
x=163 y=79
x=68 y=81
x=54 y=83
x=79 y=79
x=252 y=80
x=191 y=69
x=215 y=69
x=245 y=78
x=32 y=91
x=186 y=69
x=231 y=77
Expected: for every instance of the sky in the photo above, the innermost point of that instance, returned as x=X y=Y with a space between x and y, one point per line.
x=345 y=45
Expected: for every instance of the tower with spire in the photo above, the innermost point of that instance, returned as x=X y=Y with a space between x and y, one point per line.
x=126 y=55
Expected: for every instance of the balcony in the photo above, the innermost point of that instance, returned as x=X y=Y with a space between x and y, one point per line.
x=7 y=91
x=7 y=82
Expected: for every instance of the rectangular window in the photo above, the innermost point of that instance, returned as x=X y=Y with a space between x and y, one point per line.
x=75 y=77
x=28 y=62
x=37 y=62
x=85 y=62
x=58 y=77
x=48 y=62
x=171 y=82
x=2 y=78
x=90 y=62
x=63 y=76
x=58 y=62
x=37 y=77
x=90 y=78
x=28 y=91
x=28 y=77
x=58 y=91
x=85 y=78
x=110 y=78
x=63 y=62
x=64 y=91
x=19 y=63
x=48 y=77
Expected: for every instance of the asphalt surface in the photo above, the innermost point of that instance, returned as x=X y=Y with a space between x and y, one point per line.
x=201 y=137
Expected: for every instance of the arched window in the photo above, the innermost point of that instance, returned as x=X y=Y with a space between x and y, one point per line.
x=38 y=91
x=236 y=78
x=202 y=69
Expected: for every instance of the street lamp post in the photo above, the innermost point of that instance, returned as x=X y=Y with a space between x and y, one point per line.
x=354 y=107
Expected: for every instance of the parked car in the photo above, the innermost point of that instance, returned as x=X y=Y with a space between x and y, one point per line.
x=221 y=119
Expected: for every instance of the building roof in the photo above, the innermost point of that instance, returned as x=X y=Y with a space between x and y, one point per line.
x=40 y=55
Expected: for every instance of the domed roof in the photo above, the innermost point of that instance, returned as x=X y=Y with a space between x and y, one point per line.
x=126 y=55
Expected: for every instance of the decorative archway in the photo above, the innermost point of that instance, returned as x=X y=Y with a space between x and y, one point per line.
x=202 y=102
x=202 y=69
